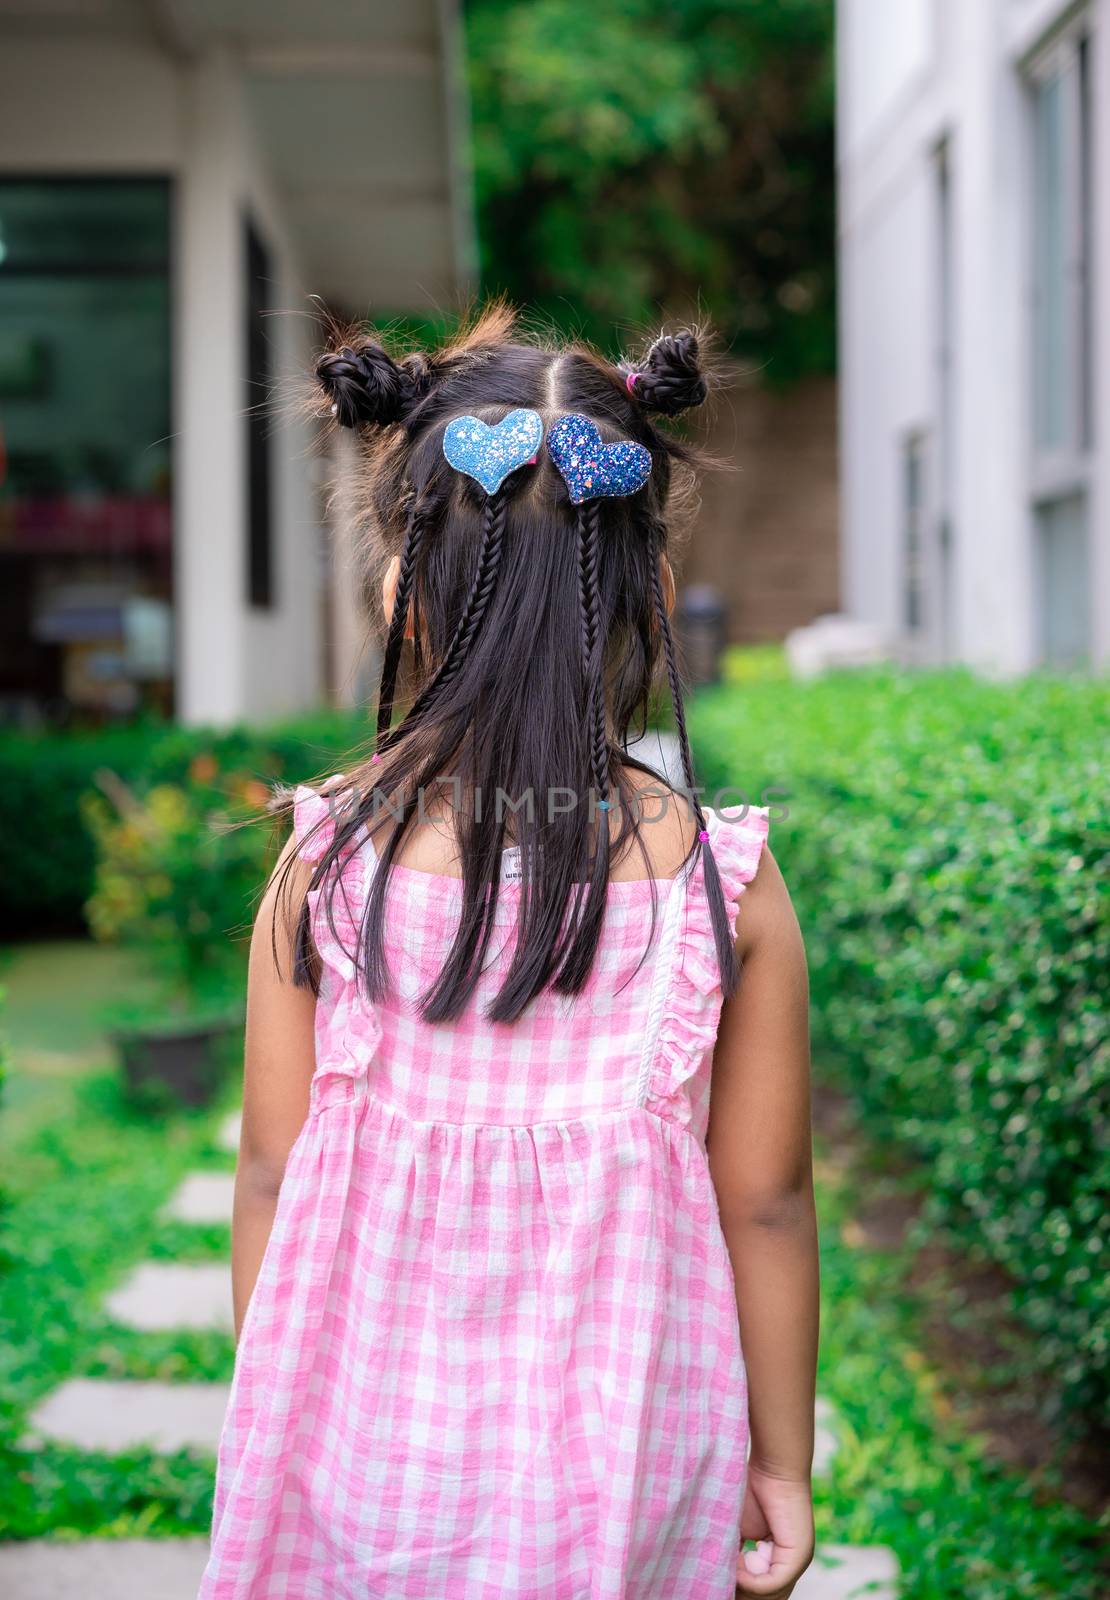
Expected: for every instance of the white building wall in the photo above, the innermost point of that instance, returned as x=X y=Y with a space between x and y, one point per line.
x=76 y=105
x=879 y=397
x=235 y=659
x=992 y=624
x=1100 y=359
x=913 y=77
x=884 y=50
x=208 y=532
x=117 y=107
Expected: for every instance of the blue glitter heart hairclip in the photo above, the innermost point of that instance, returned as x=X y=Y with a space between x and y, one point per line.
x=591 y=469
x=489 y=454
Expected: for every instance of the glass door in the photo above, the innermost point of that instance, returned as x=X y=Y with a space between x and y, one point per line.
x=86 y=528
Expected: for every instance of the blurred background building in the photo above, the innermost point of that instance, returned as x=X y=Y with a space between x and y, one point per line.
x=975 y=372
x=174 y=171
x=179 y=178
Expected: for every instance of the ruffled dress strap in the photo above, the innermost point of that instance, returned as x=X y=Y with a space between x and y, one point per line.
x=348 y=1030
x=679 y=1049
x=315 y=815
x=737 y=835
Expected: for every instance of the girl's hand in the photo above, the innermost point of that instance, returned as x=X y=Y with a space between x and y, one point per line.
x=778 y=1513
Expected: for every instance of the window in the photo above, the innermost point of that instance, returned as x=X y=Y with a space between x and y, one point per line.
x=1061 y=187
x=1062 y=419
x=944 y=470
x=913 y=533
x=260 y=554
x=1063 y=562
x=85 y=450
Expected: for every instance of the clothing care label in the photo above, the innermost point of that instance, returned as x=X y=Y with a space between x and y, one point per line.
x=512 y=869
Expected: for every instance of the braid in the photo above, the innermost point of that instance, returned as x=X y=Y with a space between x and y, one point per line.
x=589 y=555
x=419 y=519
x=726 y=951
x=494 y=520
x=582 y=946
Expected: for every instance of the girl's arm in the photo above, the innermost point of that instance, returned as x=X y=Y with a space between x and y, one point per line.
x=760 y=1155
x=278 y=1065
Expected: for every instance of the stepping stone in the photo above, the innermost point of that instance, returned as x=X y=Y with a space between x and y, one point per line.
x=203 y=1197
x=94 y=1569
x=227 y=1138
x=850 y=1572
x=174 y=1294
x=106 y=1415
x=825 y=1441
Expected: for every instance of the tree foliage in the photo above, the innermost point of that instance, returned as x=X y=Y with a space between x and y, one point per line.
x=651 y=158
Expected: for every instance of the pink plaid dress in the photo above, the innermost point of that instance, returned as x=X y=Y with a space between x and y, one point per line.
x=493 y=1352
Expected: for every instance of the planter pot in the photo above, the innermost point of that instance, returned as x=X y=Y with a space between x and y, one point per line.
x=177 y=1064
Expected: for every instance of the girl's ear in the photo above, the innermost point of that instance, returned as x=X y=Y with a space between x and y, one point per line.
x=389 y=594
x=666 y=573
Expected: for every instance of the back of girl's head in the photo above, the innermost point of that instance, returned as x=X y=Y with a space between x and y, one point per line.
x=540 y=630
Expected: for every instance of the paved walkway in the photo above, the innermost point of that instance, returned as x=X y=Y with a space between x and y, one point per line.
x=105 y=1415
x=102 y=1569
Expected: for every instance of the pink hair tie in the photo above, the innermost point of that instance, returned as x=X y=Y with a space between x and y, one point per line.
x=631 y=381
x=704 y=835
x=375 y=756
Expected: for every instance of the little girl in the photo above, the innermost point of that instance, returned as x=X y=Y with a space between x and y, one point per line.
x=521 y=1156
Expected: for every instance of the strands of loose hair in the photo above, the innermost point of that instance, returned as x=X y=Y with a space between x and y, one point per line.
x=726 y=953
x=537 y=627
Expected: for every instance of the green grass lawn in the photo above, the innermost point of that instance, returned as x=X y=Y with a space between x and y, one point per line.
x=86 y=1177
x=56 y=995
x=909 y=1472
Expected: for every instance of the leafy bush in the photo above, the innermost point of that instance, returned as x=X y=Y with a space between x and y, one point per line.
x=176 y=877
x=48 y=855
x=702 y=134
x=948 y=846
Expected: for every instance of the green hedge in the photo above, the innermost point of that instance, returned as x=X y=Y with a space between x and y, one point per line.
x=46 y=853
x=947 y=845
x=47 y=856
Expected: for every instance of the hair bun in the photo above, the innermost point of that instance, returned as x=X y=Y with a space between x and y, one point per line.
x=669 y=379
x=365 y=385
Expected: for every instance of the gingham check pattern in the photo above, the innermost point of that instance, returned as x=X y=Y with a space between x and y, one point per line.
x=493 y=1351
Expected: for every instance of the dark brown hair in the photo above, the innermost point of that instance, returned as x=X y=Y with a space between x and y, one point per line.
x=540 y=629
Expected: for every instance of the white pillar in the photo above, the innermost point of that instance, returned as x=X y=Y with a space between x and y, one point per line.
x=994 y=622
x=352 y=647
x=209 y=401
x=1098 y=516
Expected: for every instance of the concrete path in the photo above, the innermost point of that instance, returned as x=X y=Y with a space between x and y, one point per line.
x=102 y=1569
x=105 y=1416
x=110 y=1416
x=203 y=1197
x=174 y=1294
x=170 y=1569
x=850 y=1572
x=824 y=1439
x=228 y=1136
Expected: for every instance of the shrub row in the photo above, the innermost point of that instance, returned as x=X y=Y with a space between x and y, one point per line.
x=947 y=844
x=47 y=855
